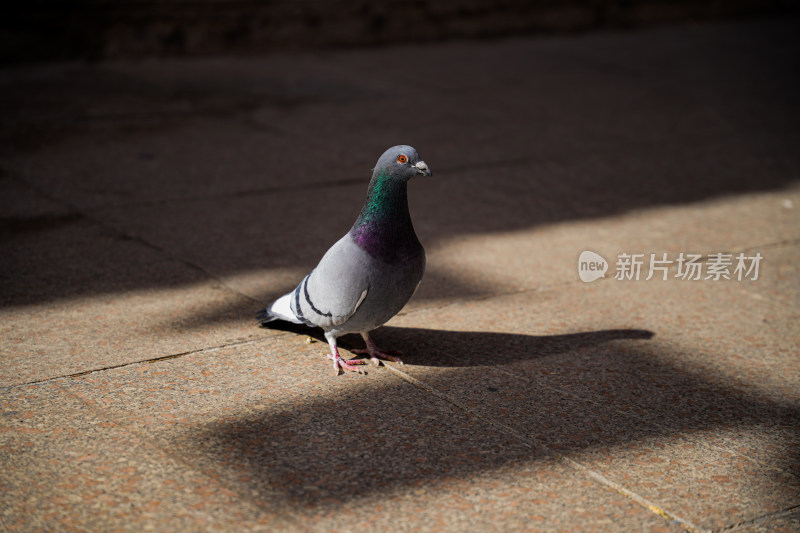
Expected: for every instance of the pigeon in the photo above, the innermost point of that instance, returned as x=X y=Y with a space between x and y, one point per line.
x=368 y=275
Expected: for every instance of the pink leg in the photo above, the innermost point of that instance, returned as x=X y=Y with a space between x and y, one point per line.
x=375 y=354
x=338 y=361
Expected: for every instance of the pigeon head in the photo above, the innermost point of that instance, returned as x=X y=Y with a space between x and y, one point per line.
x=401 y=163
x=384 y=227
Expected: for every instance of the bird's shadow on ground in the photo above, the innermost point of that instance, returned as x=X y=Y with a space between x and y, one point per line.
x=585 y=392
x=429 y=347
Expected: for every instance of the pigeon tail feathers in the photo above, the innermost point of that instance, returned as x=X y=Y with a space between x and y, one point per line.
x=280 y=310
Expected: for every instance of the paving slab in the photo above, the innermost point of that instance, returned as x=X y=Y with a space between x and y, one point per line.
x=73 y=469
x=54 y=323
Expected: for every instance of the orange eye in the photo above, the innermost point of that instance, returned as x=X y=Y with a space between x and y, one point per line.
x=402 y=158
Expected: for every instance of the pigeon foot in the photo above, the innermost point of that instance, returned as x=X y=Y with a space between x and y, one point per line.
x=341 y=364
x=377 y=355
x=338 y=362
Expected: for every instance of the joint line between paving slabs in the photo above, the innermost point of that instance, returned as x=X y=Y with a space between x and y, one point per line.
x=234 y=344
x=777 y=514
x=527 y=441
x=634 y=416
x=119 y=232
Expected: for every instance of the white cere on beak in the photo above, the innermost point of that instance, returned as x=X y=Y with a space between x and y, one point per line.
x=421 y=165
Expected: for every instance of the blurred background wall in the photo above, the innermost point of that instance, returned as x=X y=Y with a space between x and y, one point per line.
x=47 y=30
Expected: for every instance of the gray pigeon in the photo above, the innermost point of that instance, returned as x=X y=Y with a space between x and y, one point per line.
x=369 y=274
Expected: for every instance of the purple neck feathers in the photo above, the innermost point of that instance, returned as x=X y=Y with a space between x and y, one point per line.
x=384 y=228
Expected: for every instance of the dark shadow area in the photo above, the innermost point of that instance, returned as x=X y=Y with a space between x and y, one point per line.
x=51 y=30
x=571 y=393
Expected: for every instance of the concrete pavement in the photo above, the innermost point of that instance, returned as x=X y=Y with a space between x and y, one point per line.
x=149 y=208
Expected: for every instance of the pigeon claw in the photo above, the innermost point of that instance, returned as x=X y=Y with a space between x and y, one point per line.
x=340 y=365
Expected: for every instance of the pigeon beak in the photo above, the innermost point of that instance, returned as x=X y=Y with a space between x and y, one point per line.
x=422 y=168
